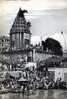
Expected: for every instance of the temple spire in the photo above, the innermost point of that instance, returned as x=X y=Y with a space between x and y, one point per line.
x=21 y=12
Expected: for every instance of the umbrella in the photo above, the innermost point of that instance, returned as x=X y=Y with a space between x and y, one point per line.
x=22 y=80
x=30 y=64
x=14 y=74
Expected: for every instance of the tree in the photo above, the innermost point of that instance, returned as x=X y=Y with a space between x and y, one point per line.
x=52 y=45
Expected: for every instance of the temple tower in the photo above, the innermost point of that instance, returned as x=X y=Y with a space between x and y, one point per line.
x=20 y=34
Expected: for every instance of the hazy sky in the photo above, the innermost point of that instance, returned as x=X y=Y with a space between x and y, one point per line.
x=48 y=17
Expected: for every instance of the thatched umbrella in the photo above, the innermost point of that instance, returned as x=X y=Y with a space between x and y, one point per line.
x=22 y=81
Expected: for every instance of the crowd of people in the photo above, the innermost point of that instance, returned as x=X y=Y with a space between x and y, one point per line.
x=32 y=80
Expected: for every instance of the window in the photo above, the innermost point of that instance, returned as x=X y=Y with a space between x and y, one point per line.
x=27 y=42
x=26 y=36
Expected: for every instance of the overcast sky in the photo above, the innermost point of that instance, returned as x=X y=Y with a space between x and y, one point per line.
x=48 y=17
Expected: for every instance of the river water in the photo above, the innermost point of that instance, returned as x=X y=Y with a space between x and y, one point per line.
x=39 y=94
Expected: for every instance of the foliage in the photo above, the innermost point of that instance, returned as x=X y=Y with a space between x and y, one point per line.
x=53 y=46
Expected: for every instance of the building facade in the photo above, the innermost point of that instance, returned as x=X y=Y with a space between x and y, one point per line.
x=20 y=37
x=4 y=46
x=4 y=43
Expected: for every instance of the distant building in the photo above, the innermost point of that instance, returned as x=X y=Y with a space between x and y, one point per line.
x=4 y=46
x=4 y=43
x=57 y=65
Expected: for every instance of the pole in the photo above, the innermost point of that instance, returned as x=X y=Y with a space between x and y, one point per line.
x=64 y=40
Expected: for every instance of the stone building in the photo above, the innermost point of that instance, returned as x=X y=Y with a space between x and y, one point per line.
x=20 y=37
x=58 y=70
x=4 y=46
x=20 y=34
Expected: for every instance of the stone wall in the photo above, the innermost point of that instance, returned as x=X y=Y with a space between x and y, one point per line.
x=39 y=56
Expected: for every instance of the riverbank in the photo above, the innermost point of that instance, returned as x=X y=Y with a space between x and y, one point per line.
x=5 y=91
x=27 y=92
x=39 y=94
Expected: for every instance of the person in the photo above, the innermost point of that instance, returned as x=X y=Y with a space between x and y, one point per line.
x=24 y=86
x=47 y=82
x=58 y=83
